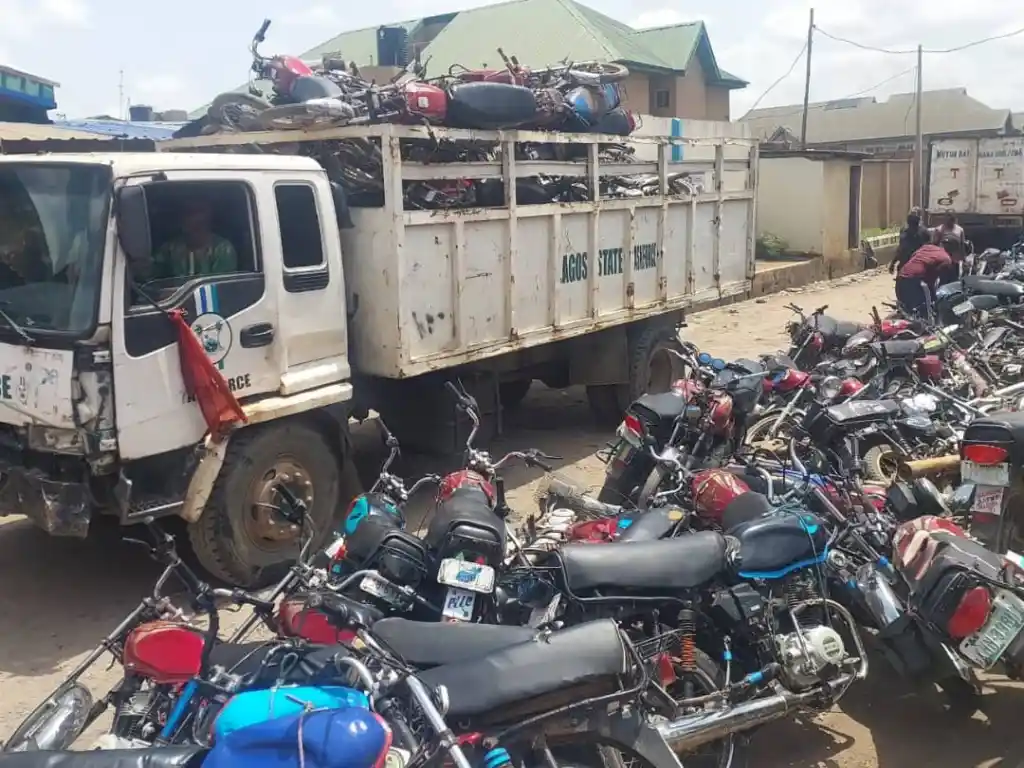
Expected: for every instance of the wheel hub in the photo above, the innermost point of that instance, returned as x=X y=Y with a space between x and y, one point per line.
x=266 y=525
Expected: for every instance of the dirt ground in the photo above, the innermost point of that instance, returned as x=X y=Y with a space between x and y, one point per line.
x=59 y=597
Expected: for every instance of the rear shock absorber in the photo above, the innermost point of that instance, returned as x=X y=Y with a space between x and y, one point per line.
x=687 y=649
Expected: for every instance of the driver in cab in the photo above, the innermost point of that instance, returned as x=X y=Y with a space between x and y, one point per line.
x=197 y=251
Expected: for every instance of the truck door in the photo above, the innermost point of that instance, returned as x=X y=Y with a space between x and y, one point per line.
x=207 y=261
x=311 y=298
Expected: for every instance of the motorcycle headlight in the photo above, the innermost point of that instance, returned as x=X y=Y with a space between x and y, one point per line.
x=830 y=387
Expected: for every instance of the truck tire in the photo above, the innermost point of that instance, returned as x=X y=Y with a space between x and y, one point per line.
x=240 y=541
x=650 y=370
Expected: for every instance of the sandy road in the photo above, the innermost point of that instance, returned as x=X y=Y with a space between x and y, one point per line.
x=58 y=597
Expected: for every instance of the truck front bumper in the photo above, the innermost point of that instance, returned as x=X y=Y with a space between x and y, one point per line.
x=60 y=508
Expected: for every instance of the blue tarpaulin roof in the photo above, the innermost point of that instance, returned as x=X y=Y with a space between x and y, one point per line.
x=127 y=130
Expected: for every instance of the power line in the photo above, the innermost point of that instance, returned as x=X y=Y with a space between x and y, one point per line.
x=783 y=77
x=852 y=95
x=908 y=51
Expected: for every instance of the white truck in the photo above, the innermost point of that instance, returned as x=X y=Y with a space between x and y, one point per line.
x=314 y=323
x=980 y=180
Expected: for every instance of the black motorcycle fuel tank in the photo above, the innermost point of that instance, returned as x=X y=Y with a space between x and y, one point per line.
x=774 y=546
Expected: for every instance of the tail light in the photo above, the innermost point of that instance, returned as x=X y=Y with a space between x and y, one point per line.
x=984 y=454
x=633 y=425
x=971 y=614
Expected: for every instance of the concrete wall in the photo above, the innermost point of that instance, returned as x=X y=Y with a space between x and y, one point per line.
x=652 y=125
x=790 y=202
x=688 y=96
x=887 y=192
x=836 y=193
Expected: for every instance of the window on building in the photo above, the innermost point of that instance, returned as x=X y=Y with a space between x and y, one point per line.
x=662 y=99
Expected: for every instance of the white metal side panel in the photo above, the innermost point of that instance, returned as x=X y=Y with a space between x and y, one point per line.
x=1000 y=182
x=951 y=181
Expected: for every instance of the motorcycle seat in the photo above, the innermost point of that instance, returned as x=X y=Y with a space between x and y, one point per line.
x=835 y=331
x=665 y=406
x=984 y=302
x=505 y=684
x=153 y=757
x=904 y=350
x=432 y=644
x=664 y=565
x=1005 y=288
x=490 y=105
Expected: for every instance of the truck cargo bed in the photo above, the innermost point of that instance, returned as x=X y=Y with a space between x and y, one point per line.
x=433 y=289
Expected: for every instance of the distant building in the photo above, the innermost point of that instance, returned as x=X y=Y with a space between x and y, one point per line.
x=25 y=98
x=673 y=69
x=882 y=128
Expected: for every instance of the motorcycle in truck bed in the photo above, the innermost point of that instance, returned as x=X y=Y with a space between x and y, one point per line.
x=321 y=310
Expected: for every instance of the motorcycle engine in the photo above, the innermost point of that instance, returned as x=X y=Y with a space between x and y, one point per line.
x=806 y=653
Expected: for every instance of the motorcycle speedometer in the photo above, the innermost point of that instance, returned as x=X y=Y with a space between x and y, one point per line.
x=718 y=364
x=704 y=358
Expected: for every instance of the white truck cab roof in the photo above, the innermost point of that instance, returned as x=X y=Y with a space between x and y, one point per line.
x=133 y=163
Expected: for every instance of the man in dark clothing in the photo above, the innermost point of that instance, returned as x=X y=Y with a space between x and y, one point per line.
x=912 y=237
x=915 y=282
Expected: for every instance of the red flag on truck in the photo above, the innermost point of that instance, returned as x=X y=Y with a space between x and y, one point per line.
x=203 y=381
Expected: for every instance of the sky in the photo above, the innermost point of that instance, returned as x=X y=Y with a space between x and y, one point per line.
x=181 y=54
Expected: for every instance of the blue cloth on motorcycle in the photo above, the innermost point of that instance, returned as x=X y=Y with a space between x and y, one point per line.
x=327 y=738
x=258 y=706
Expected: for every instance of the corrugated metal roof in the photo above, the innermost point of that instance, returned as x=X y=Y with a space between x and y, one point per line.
x=123 y=130
x=835 y=122
x=36 y=132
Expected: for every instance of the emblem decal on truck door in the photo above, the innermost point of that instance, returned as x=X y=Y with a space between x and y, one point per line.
x=215 y=335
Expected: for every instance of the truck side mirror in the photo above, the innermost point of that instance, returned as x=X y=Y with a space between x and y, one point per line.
x=132 y=216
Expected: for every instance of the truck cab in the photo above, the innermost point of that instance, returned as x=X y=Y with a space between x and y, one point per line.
x=95 y=251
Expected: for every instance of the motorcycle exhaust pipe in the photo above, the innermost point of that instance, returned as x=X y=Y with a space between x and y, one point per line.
x=688 y=733
x=939 y=465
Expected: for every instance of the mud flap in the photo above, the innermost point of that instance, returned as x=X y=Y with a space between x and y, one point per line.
x=201 y=485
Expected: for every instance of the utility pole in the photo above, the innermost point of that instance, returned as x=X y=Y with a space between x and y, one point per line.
x=120 y=95
x=807 y=81
x=919 y=192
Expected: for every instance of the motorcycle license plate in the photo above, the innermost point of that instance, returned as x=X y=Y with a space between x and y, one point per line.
x=985 y=646
x=458 y=605
x=468 y=576
x=962 y=309
x=620 y=457
x=988 y=500
x=630 y=437
x=997 y=475
x=382 y=591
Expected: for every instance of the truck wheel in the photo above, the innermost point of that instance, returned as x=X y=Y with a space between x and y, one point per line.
x=240 y=539
x=512 y=393
x=652 y=368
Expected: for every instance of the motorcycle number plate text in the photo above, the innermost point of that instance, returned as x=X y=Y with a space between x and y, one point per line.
x=385 y=592
x=458 y=604
x=464 y=575
x=988 y=500
x=962 y=309
x=1005 y=622
x=985 y=474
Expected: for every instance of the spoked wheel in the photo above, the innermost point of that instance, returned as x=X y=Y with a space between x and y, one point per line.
x=704 y=678
x=758 y=436
x=881 y=462
x=604 y=73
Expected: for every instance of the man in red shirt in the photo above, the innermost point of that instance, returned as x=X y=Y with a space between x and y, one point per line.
x=915 y=283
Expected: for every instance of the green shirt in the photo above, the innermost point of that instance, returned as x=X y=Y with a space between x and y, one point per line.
x=175 y=259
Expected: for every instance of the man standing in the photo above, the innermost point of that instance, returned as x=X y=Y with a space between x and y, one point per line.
x=915 y=282
x=912 y=237
x=950 y=236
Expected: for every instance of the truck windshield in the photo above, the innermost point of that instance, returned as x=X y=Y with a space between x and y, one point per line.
x=53 y=224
